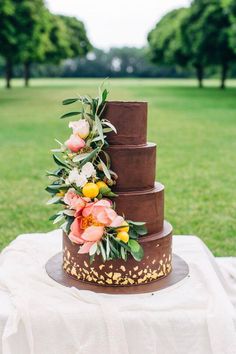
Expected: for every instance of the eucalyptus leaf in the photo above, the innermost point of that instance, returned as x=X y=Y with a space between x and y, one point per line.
x=80 y=157
x=107 y=247
x=99 y=128
x=105 y=170
x=90 y=156
x=59 y=218
x=60 y=163
x=69 y=101
x=70 y=114
x=107 y=123
x=53 y=200
x=103 y=253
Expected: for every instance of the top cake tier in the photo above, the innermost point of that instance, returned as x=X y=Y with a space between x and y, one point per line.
x=130 y=120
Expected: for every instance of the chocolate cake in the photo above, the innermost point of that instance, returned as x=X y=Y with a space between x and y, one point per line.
x=139 y=198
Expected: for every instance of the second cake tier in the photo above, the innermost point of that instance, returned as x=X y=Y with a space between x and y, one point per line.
x=134 y=165
x=146 y=206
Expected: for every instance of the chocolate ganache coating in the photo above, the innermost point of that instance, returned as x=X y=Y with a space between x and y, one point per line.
x=130 y=121
x=139 y=198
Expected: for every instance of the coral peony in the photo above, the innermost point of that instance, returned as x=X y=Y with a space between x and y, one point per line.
x=88 y=226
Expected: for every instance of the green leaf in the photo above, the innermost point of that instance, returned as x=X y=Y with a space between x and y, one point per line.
x=102 y=251
x=59 y=162
x=138 y=223
x=104 y=95
x=59 y=218
x=56 y=173
x=141 y=230
x=90 y=156
x=99 y=128
x=111 y=126
x=136 y=250
x=133 y=234
x=134 y=245
x=105 y=170
x=138 y=256
x=69 y=101
x=70 y=114
x=53 y=200
x=107 y=247
x=123 y=254
x=80 y=157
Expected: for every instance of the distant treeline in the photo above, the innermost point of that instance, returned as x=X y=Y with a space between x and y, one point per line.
x=196 y=41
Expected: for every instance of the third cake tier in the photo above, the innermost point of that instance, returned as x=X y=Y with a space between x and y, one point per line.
x=146 y=206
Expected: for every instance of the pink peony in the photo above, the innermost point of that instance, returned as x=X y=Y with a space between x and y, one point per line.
x=75 y=143
x=74 y=201
x=80 y=127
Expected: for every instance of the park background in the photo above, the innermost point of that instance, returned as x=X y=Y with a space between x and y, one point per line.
x=180 y=57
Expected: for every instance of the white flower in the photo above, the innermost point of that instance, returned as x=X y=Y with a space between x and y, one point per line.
x=88 y=170
x=75 y=177
x=81 y=180
x=80 y=127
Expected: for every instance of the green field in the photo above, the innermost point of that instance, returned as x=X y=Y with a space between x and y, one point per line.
x=195 y=131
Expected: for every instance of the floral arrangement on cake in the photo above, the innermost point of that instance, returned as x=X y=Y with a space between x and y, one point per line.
x=82 y=185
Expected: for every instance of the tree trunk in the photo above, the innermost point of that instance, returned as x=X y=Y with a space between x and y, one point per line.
x=224 y=70
x=199 y=72
x=8 y=73
x=26 y=73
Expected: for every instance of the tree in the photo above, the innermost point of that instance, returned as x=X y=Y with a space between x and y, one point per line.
x=165 y=40
x=8 y=37
x=206 y=32
x=68 y=39
x=78 y=41
x=33 y=25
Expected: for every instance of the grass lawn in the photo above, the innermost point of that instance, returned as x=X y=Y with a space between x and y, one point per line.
x=195 y=131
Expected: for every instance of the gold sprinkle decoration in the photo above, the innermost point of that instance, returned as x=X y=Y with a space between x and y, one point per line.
x=140 y=272
x=101 y=266
x=135 y=268
x=116 y=276
x=86 y=264
x=111 y=266
x=109 y=275
x=108 y=281
x=123 y=268
x=68 y=254
x=73 y=271
x=131 y=281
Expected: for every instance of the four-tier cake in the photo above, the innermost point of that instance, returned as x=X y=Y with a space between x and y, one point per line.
x=139 y=198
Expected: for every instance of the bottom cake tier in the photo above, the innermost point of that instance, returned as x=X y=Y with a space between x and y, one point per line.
x=155 y=264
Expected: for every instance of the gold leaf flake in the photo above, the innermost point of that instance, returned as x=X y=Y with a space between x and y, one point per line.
x=116 y=276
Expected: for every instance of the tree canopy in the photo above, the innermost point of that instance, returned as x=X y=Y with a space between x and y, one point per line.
x=200 y=36
x=29 y=33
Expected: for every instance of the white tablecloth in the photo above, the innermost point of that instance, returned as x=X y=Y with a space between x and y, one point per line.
x=39 y=316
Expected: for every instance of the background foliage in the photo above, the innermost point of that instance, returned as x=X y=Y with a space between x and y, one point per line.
x=199 y=40
x=194 y=130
